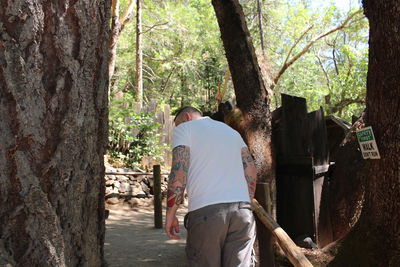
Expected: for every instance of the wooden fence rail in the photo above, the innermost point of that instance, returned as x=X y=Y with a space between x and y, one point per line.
x=133 y=173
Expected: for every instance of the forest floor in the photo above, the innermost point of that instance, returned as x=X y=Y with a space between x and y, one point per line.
x=132 y=241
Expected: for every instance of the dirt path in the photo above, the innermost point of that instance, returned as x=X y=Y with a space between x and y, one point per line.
x=132 y=240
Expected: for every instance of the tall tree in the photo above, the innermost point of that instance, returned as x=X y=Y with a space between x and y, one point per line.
x=139 y=53
x=260 y=25
x=251 y=95
x=53 y=131
x=117 y=25
x=375 y=239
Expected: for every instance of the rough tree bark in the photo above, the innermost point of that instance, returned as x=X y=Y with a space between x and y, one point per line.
x=53 y=131
x=251 y=95
x=343 y=193
x=375 y=239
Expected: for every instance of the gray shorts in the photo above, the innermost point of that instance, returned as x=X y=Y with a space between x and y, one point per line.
x=220 y=235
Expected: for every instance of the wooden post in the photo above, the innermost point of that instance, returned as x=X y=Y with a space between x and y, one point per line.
x=292 y=252
x=158 y=221
x=265 y=238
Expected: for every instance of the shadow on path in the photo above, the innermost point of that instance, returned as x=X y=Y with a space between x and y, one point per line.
x=132 y=240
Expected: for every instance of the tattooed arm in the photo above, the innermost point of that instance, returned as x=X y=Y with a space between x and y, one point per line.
x=250 y=172
x=176 y=187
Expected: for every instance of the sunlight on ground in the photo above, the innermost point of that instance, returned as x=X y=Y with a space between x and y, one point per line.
x=132 y=240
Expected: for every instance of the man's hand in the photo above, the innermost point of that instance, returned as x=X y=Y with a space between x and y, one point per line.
x=172 y=225
x=176 y=188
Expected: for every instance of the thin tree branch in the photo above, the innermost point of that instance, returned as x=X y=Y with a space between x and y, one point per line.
x=328 y=80
x=150 y=71
x=154 y=26
x=128 y=13
x=164 y=84
x=338 y=107
x=350 y=67
x=295 y=44
x=149 y=78
x=307 y=47
x=115 y=9
x=334 y=55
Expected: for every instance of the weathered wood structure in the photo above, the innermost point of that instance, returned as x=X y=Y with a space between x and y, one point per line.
x=337 y=128
x=300 y=140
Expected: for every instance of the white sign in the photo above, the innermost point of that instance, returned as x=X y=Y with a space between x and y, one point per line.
x=368 y=146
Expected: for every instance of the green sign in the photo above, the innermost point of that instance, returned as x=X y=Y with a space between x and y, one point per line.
x=369 y=149
x=365 y=134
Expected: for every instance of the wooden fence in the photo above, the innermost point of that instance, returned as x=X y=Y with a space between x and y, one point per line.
x=302 y=161
x=162 y=116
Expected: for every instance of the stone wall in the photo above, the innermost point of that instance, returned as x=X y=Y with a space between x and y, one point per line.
x=120 y=188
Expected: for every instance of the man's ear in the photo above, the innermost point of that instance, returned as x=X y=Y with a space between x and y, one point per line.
x=188 y=116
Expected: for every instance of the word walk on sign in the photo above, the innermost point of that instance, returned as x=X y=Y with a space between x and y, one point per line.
x=367 y=142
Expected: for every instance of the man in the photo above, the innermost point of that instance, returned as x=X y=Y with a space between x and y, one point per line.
x=211 y=160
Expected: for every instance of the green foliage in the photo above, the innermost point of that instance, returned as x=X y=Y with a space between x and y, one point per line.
x=132 y=134
x=333 y=73
x=184 y=62
x=184 y=59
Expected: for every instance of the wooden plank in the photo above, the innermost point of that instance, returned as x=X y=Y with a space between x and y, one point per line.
x=292 y=252
x=321 y=169
x=320 y=153
x=295 y=160
x=318 y=137
x=294 y=137
x=317 y=188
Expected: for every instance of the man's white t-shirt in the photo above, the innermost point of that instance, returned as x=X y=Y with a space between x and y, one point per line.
x=216 y=172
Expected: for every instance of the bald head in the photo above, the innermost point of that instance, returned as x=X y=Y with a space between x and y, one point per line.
x=187 y=114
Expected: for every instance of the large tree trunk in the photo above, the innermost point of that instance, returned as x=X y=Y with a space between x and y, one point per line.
x=53 y=131
x=343 y=192
x=375 y=240
x=346 y=192
x=251 y=96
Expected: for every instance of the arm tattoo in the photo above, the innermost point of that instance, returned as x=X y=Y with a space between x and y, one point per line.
x=250 y=172
x=178 y=176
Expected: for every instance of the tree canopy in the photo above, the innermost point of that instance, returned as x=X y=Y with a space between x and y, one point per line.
x=184 y=62
x=316 y=52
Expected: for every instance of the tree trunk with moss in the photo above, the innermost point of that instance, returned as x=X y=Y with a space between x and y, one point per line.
x=375 y=239
x=53 y=131
x=252 y=98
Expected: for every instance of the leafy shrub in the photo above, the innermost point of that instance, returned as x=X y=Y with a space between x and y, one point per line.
x=133 y=134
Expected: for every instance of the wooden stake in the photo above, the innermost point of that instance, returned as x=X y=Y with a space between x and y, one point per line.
x=158 y=221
